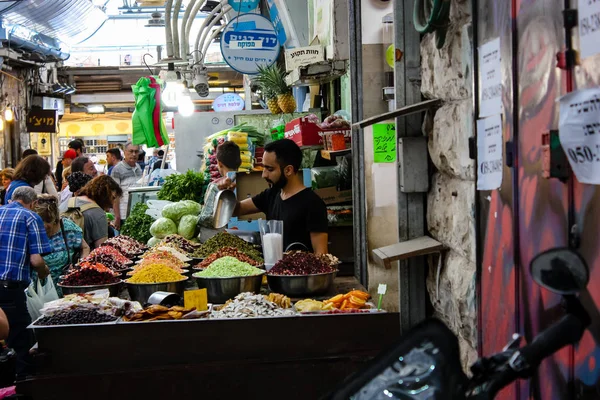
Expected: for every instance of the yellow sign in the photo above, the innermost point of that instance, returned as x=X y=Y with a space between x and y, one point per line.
x=95 y=128
x=196 y=299
x=44 y=146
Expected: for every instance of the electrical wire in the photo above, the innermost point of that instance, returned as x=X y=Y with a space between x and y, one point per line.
x=203 y=26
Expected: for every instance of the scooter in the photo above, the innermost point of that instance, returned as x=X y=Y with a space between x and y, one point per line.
x=425 y=365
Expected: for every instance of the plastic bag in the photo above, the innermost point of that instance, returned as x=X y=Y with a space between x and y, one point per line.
x=39 y=295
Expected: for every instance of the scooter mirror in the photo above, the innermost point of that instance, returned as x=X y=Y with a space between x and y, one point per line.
x=560 y=270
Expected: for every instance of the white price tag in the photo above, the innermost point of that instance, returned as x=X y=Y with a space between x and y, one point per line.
x=490 y=72
x=489 y=153
x=579 y=132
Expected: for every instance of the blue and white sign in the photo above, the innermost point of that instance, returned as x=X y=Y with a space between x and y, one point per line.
x=277 y=23
x=243 y=5
x=228 y=102
x=248 y=41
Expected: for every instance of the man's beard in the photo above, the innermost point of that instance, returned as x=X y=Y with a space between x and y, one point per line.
x=280 y=184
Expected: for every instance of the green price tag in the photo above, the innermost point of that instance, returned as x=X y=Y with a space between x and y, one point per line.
x=384 y=143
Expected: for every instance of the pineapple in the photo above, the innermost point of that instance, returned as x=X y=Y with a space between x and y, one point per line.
x=272 y=81
x=273 y=105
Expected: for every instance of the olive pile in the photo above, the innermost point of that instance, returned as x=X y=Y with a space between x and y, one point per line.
x=77 y=316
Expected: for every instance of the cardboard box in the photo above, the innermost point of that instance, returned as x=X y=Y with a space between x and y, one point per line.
x=305 y=133
x=331 y=195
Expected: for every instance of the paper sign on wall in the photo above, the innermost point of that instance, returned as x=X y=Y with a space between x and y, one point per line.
x=589 y=32
x=579 y=133
x=489 y=153
x=385 y=143
x=490 y=73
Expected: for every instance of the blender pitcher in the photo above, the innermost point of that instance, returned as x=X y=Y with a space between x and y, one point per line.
x=271 y=234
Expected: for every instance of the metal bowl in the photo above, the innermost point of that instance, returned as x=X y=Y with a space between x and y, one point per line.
x=113 y=288
x=220 y=290
x=142 y=291
x=302 y=285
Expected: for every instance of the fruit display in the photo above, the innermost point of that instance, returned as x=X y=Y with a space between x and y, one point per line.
x=301 y=263
x=76 y=316
x=227 y=251
x=355 y=299
x=271 y=81
x=127 y=246
x=98 y=301
x=161 y=313
x=109 y=257
x=90 y=274
x=228 y=267
x=224 y=239
x=249 y=305
x=310 y=305
x=279 y=299
x=182 y=244
x=155 y=273
x=160 y=256
x=171 y=249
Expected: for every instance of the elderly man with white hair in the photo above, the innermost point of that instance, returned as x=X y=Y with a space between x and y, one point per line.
x=23 y=241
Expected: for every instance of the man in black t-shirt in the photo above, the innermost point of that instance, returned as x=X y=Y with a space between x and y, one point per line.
x=303 y=213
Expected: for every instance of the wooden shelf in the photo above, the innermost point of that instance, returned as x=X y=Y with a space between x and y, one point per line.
x=331 y=155
x=401 y=251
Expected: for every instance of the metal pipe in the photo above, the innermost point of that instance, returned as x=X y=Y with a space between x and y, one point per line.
x=175 y=28
x=212 y=37
x=182 y=46
x=200 y=38
x=203 y=34
x=190 y=22
x=168 y=33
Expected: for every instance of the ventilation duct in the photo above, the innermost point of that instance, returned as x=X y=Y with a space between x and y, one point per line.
x=70 y=21
x=35 y=47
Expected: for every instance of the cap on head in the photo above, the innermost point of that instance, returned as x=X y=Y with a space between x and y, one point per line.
x=72 y=154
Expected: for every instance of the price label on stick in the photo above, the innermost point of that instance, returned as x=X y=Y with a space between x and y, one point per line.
x=385 y=143
x=195 y=299
x=579 y=132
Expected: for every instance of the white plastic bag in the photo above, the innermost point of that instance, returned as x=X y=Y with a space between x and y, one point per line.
x=37 y=297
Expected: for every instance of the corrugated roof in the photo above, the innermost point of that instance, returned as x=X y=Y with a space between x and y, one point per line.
x=70 y=21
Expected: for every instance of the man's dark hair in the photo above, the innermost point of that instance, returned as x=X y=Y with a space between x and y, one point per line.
x=32 y=169
x=78 y=163
x=76 y=144
x=116 y=153
x=229 y=155
x=286 y=152
x=29 y=152
x=161 y=153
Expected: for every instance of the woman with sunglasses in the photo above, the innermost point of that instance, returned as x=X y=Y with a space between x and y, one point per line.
x=65 y=237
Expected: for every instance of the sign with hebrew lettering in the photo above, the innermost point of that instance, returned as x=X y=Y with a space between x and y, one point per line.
x=588 y=26
x=489 y=153
x=579 y=133
x=42 y=121
x=303 y=56
x=490 y=75
x=385 y=143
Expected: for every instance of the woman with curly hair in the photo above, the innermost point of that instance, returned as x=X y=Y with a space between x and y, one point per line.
x=93 y=201
x=30 y=171
x=6 y=177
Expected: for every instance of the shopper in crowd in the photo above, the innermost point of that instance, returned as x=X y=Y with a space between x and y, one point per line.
x=302 y=211
x=31 y=171
x=154 y=157
x=65 y=163
x=158 y=163
x=77 y=145
x=228 y=158
x=75 y=182
x=48 y=185
x=66 y=238
x=141 y=160
x=113 y=157
x=126 y=173
x=6 y=176
x=80 y=164
x=95 y=199
x=25 y=232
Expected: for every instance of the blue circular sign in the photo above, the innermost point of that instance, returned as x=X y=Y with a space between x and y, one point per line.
x=228 y=102
x=243 y=5
x=249 y=41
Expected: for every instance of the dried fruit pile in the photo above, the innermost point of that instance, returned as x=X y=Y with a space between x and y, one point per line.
x=109 y=257
x=126 y=245
x=155 y=256
x=76 y=316
x=182 y=244
x=224 y=252
x=355 y=299
x=224 y=239
x=155 y=273
x=90 y=274
x=157 y=312
x=301 y=263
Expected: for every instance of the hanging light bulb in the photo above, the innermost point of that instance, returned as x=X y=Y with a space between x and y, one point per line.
x=186 y=105
x=173 y=88
x=1 y=124
x=8 y=114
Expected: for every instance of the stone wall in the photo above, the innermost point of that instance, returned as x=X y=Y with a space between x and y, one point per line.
x=447 y=74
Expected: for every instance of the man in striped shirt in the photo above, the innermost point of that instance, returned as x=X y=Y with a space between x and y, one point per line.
x=23 y=241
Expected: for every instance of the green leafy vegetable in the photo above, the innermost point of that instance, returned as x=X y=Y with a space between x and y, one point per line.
x=188 y=186
x=137 y=225
x=176 y=211
x=153 y=241
x=163 y=227
x=187 y=226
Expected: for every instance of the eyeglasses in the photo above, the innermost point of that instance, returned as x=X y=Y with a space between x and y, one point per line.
x=133 y=151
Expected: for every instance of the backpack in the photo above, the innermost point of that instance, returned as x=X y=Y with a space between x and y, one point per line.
x=75 y=213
